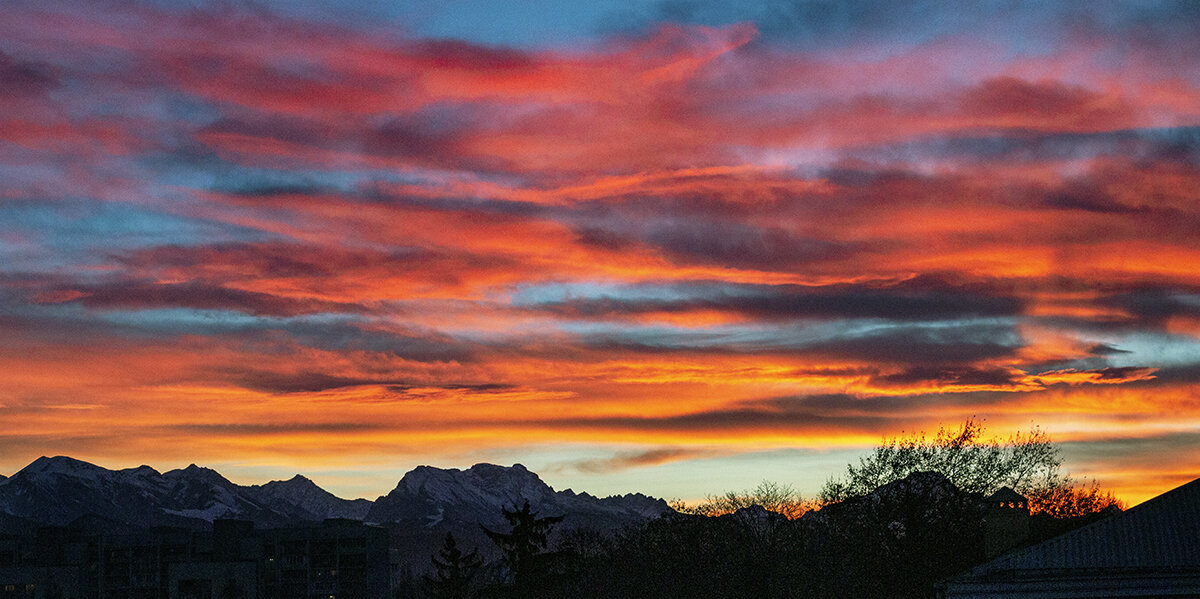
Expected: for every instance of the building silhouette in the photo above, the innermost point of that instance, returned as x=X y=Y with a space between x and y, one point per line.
x=1006 y=521
x=329 y=560
x=1150 y=550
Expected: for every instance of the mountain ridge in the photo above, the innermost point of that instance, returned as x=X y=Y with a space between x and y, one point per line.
x=60 y=490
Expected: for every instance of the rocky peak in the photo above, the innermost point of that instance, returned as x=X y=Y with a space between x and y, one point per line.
x=198 y=474
x=479 y=493
x=142 y=471
x=294 y=484
x=302 y=497
x=297 y=489
x=64 y=467
x=59 y=465
x=480 y=484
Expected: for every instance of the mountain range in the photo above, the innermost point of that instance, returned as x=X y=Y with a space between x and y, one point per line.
x=59 y=491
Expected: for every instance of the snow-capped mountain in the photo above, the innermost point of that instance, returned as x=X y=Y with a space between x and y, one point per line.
x=430 y=502
x=59 y=490
x=478 y=494
x=427 y=501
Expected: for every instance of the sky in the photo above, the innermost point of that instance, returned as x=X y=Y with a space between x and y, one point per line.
x=674 y=247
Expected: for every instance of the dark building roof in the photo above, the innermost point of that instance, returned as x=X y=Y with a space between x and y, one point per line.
x=1155 y=544
x=1162 y=532
x=1005 y=495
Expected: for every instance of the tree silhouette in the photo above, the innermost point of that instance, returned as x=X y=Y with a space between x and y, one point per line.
x=454 y=571
x=524 y=543
x=1028 y=463
x=1073 y=500
x=1025 y=462
x=774 y=497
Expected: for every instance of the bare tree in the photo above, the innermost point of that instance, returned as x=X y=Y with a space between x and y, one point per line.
x=775 y=497
x=1027 y=462
x=1073 y=500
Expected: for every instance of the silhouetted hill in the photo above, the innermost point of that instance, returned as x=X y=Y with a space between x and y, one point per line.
x=897 y=540
x=919 y=498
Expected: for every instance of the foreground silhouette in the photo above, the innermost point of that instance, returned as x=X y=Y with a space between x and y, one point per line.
x=913 y=512
x=455 y=572
x=898 y=538
x=1029 y=463
x=523 y=547
x=897 y=541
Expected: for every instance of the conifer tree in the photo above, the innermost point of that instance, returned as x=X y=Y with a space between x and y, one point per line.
x=524 y=543
x=454 y=571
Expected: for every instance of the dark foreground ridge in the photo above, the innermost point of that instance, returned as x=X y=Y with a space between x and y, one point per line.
x=72 y=529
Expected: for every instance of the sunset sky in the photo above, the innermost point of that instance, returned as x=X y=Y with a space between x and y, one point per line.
x=672 y=246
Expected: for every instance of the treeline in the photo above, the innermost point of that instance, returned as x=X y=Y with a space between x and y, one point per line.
x=923 y=521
